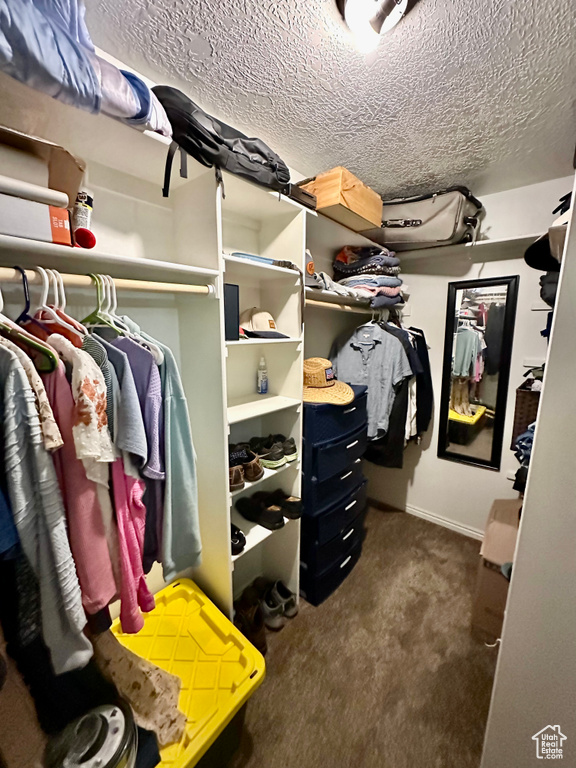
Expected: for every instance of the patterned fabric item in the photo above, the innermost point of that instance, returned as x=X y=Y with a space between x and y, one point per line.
x=152 y=692
x=374 y=281
x=353 y=253
x=91 y=434
x=50 y=432
x=375 y=265
x=369 y=291
x=86 y=528
x=98 y=354
x=39 y=517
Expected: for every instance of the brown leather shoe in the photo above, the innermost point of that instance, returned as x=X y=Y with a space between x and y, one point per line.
x=249 y=619
x=236 y=476
x=253 y=470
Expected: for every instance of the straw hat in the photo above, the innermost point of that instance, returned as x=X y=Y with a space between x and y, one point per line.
x=320 y=386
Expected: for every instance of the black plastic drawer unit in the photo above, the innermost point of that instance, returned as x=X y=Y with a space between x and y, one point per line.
x=315 y=558
x=316 y=588
x=317 y=496
x=324 y=422
x=329 y=459
x=324 y=526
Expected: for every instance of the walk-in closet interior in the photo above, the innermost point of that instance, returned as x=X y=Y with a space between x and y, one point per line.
x=287 y=358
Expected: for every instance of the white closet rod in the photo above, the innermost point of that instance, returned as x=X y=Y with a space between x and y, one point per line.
x=342 y=307
x=7 y=274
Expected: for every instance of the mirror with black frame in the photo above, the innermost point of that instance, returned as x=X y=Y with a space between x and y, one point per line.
x=477 y=352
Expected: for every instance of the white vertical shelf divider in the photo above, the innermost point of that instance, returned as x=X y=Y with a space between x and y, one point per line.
x=254 y=221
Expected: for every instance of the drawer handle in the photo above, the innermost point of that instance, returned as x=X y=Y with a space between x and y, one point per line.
x=346 y=561
x=346 y=475
x=350 y=410
x=352 y=503
x=352 y=445
x=348 y=535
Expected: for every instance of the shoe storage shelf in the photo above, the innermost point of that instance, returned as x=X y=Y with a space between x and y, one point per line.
x=334 y=495
x=188 y=238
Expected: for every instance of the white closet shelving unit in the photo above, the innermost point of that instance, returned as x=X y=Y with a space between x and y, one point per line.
x=187 y=239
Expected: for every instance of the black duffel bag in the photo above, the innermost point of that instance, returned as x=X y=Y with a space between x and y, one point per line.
x=214 y=143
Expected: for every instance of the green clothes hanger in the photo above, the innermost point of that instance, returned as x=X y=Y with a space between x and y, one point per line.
x=99 y=317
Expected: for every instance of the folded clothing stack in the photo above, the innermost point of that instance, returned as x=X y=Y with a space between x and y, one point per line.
x=370 y=272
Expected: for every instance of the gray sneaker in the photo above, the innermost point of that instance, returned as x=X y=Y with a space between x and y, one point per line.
x=273 y=611
x=285 y=598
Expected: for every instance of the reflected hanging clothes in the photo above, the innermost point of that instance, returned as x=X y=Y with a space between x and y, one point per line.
x=494 y=336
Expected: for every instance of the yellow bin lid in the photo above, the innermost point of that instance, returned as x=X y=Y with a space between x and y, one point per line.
x=187 y=635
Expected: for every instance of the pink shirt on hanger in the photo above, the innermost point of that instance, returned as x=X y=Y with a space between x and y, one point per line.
x=131 y=519
x=85 y=523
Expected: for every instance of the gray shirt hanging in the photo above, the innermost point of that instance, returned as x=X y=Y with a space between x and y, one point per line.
x=375 y=358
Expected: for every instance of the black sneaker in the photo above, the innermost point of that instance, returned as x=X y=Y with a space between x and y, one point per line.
x=237 y=539
x=270 y=453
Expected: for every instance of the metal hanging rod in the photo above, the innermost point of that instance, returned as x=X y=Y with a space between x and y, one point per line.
x=10 y=275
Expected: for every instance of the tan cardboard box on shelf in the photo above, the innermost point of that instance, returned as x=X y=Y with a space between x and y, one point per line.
x=343 y=197
x=39 y=182
x=48 y=165
x=491 y=586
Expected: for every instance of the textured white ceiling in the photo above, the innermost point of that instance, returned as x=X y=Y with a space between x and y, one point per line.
x=475 y=92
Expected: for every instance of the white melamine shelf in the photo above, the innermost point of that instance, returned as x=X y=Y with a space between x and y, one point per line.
x=243 y=198
x=252 y=406
x=29 y=253
x=480 y=251
x=254 y=342
x=254 y=270
x=255 y=534
x=267 y=474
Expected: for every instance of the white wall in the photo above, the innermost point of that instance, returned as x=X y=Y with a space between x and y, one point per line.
x=460 y=495
x=535 y=682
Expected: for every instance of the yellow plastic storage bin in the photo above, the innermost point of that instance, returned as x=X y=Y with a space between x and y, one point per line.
x=187 y=635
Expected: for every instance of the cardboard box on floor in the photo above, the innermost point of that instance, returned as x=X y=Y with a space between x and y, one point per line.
x=491 y=586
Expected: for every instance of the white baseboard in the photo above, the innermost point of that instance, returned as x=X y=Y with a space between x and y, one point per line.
x=473 y=533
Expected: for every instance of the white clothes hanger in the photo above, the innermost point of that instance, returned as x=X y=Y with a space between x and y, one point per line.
x=53 y=317
x=60 y=298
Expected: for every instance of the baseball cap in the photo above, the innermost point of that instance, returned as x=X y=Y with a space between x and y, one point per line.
x=259 y=324
x=320 y=386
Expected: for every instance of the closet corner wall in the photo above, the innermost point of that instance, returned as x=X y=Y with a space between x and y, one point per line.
x=187 y=239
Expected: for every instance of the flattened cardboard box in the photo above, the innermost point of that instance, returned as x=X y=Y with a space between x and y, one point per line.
x=65 y=172
x=491 y=586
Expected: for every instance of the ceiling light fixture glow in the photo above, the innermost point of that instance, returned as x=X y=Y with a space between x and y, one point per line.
x=368 y=19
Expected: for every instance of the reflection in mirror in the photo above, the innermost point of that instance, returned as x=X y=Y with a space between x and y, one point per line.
x=477 y=351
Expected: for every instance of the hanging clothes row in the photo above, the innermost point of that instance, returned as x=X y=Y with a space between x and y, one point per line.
x=393 y=362
x=99 y=476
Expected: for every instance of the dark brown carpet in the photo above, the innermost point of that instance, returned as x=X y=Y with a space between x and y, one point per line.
x=385 y=673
